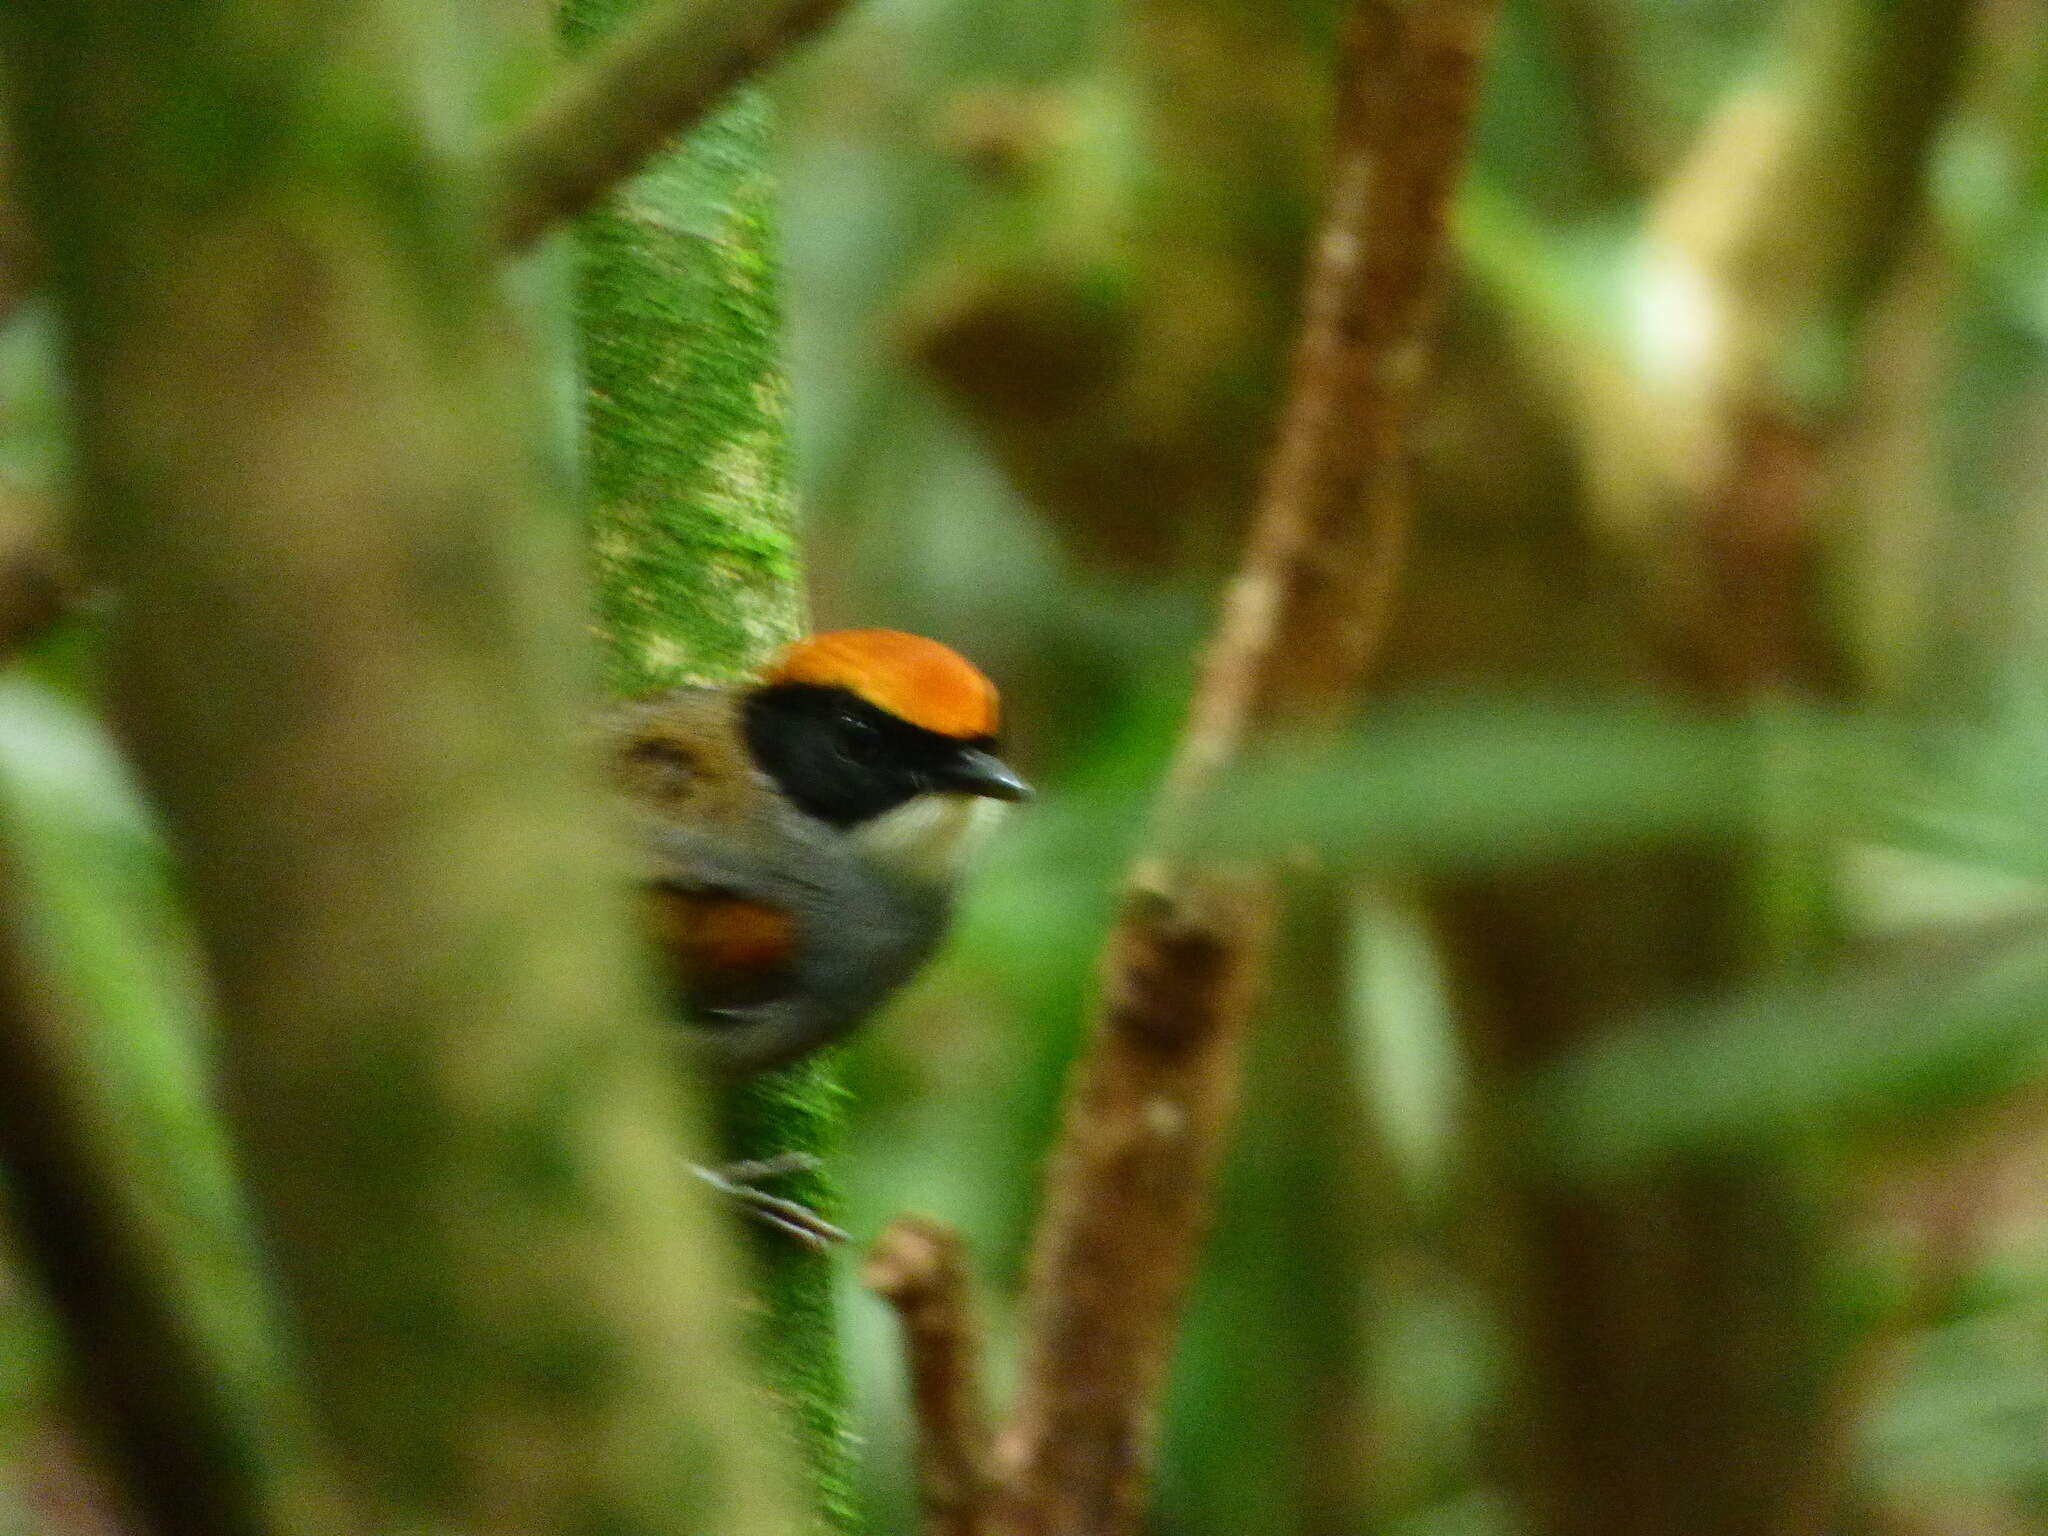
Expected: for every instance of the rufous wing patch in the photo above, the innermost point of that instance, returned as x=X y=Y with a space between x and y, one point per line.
x=730 y=950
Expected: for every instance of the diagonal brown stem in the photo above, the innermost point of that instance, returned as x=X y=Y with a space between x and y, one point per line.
x=1150 y=1104
x=918 y=1267
x=642 y=89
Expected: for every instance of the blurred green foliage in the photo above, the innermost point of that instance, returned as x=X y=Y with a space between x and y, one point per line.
x=934 y=146
x=1033 y=177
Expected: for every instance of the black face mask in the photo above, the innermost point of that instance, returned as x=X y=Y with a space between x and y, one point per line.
x=842 y=760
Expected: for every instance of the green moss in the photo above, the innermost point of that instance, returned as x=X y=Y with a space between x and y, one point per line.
x=677 y=305
x=694 y=531
x=803 y=1110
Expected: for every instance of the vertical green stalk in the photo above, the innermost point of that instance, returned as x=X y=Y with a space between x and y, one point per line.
x=679 y=321
x=679 y=317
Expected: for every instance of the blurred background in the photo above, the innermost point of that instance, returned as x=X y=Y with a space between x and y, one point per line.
x=1769 y=278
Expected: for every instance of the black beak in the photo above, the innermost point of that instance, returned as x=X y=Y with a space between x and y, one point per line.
x=972 y=771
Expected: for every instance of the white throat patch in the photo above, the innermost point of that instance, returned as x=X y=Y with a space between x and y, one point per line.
x=932 y=837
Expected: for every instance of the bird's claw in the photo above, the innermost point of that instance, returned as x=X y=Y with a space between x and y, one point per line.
x=741 y=1182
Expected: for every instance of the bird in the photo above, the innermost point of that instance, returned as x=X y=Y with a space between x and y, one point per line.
x=797 y=840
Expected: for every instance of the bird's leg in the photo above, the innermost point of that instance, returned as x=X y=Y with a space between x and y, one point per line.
x=742 y=1181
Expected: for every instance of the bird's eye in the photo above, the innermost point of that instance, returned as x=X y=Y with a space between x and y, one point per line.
x=859 y=735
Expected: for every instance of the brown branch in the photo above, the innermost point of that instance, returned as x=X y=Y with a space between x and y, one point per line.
x=918 y=1267
x=1148 y=1111
x=1308 y=607
x=643 y=88
x=1150 y=1103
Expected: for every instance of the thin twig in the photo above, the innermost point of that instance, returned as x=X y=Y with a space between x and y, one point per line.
x=918 y=1267
x=1151 y=1101
x=643 y=88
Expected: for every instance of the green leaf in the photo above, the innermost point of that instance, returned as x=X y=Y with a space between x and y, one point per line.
x=1935 y=1029
x=1476 y=786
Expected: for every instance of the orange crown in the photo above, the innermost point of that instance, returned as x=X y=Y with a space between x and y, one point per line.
x=908 y=676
